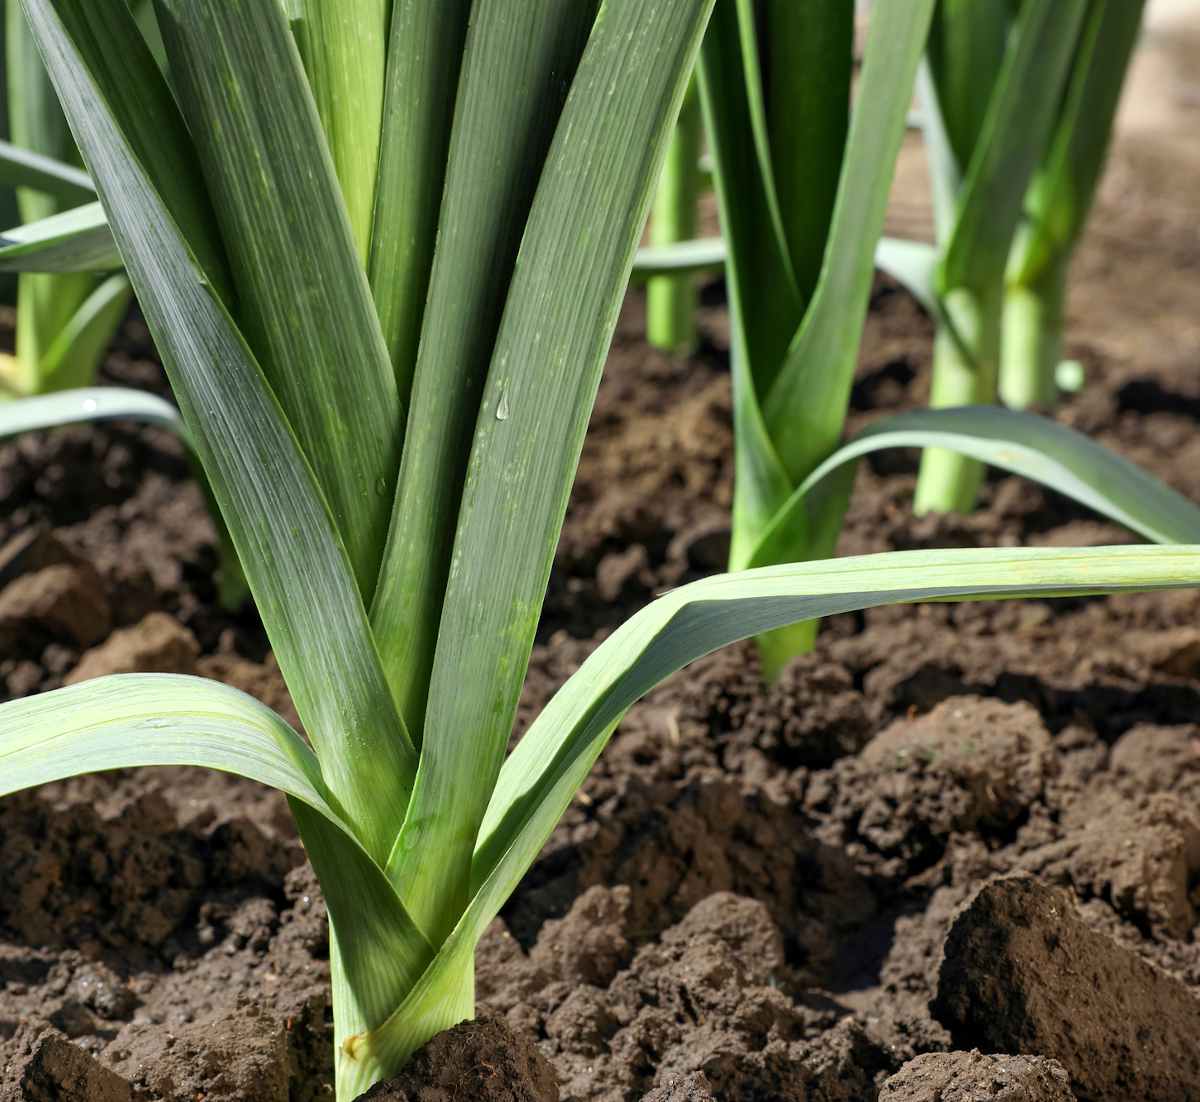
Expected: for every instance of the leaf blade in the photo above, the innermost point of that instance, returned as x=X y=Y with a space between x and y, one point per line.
x=705 y=615
x=1024 y=444
x=561 y=310
x=77 y=240
x=515 y=73
x=134 y=720
x=85 y=405
x=131 y=720
x=806 y=406
x=303 y=297
x=23 y=168
x=344 y=46
x=1015 y=133
x=424 y=55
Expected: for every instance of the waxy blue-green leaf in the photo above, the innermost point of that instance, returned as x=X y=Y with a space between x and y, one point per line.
x=293 y=558
x=76 y=240
x=131 y=720
x=303 y=300
x=85 y=405
x=562 y=308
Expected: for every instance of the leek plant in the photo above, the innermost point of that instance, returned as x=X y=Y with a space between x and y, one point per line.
x=390 y=411
x=992 y=91
x=1058 y=203
x=802 y=189
x=802 y=186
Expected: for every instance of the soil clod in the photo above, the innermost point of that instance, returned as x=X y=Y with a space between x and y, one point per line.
x=1022 y=973
x=974 y=1077
x=483 y=1060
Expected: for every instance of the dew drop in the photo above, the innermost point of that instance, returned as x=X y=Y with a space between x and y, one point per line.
x=157 y=724
x=502 y=407
x=90 y=405
x=381 y=486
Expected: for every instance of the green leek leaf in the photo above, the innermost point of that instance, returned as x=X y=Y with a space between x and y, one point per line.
x=303 y=298
x=74 y=355
x=85 y=405
x=134 y=720
x=77 y=240
x=1015 y=132
x=1021 y=443
x=154 y=719
x=516 y=69
x=344 y=46
x=1061 y=194
x=562 y=308
x=764 y=298
x=424 y=53
x=805 y=408
x=26 y=169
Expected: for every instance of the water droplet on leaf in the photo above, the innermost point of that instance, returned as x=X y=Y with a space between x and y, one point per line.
x=502 y=407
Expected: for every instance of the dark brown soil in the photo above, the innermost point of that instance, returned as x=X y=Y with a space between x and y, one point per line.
x=755 y=895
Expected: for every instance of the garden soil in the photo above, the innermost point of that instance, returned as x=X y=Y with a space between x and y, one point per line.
x=952 y=854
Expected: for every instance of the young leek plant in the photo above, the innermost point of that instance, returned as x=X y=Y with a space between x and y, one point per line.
x=1058 y=203
x=802 y=188
x=65 y=320
x=991 y=94
x=392 y=444
x=672 y=300
x=796 y=324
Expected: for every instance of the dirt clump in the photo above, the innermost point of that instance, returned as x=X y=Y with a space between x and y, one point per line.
x=483 y=1060
x=974 y=1077
x=45 y=1067
x=1022 y=973
x=158 y=643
